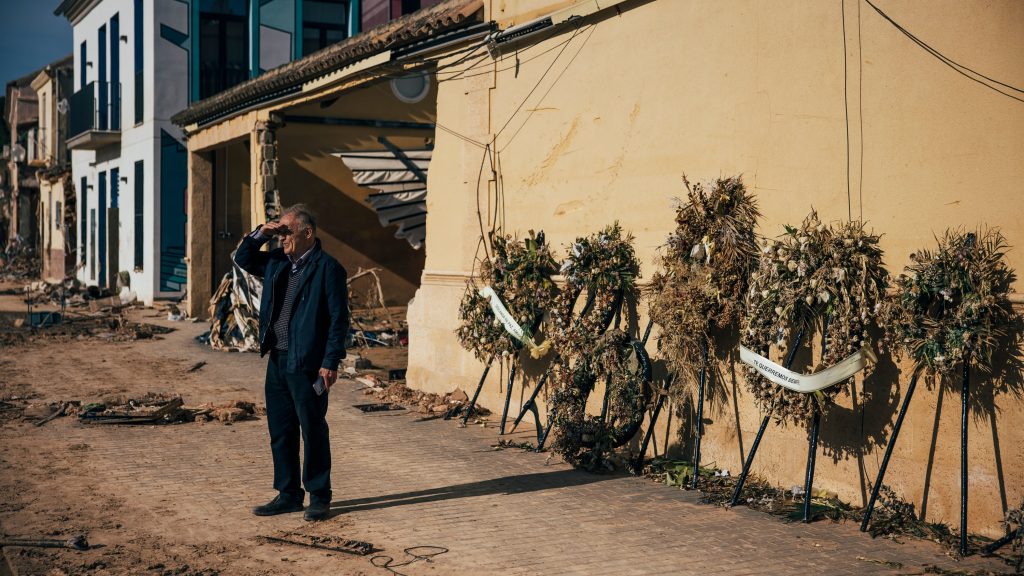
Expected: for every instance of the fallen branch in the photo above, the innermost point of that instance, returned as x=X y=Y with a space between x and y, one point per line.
x=76 y=543
x=61 y=411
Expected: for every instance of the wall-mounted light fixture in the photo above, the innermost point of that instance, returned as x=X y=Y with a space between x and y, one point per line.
x=124 y=38
x=88 y=63
x=123 y=178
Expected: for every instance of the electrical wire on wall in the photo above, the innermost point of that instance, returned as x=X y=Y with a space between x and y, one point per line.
x=991 y=83
x=846 y=112
x=491 y=219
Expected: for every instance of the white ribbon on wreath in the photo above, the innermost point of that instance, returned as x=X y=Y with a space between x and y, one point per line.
x=513 y=327
x=807 y=383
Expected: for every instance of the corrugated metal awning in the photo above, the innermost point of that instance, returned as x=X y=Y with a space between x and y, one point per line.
x=398 y=183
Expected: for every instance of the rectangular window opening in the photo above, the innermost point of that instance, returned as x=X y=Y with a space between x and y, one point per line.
x=139 y=212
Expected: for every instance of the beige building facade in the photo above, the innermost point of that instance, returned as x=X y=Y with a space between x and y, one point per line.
x=578 y=114
x=818 y=105
x=56 y=216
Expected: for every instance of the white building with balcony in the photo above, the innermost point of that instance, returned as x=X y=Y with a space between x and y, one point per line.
x=137 y=63
x=128 y=161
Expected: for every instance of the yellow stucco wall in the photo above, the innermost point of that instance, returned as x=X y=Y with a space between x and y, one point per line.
x=753 y=88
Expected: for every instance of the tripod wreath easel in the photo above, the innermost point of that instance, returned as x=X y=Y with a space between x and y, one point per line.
x=815 y=278
x=951 y=311
x=698 y=294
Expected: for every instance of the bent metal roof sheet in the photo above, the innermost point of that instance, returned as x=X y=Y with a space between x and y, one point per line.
x=439 y=18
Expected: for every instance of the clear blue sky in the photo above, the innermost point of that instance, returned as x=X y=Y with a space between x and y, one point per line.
x=31 y=37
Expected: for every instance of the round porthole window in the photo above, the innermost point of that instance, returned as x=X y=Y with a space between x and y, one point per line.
x=411 y=89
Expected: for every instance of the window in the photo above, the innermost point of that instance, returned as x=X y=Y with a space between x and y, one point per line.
x=92 y=243
x=139 y=76
x=115 y=185
x=57 y=216
x=324 y=22
x=223 y=45
x=115 y=72
x=83 y=201
x=139 y=214
x=101 y=80
x=83 y=60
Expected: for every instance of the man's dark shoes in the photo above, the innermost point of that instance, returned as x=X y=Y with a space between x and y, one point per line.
x=317 y=511
x=281 y=504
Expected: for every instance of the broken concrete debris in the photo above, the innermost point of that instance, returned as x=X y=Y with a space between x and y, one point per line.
x=162 y=409
x=19 y=261
x=447 y=406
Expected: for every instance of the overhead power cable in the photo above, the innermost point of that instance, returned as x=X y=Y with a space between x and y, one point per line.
x=959 y=68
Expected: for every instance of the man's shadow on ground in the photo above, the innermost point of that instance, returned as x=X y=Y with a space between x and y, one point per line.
x=506 y=485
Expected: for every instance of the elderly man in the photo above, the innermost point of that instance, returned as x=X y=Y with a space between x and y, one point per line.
x=303 y=325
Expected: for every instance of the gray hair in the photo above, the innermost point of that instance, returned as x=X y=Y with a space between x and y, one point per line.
x=303 y=214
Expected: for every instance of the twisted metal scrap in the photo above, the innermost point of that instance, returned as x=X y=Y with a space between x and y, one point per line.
x=812 y=277
x=952 y=303
x=706 y=264
x=235 y=311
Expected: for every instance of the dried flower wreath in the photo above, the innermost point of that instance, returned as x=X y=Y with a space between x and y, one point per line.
x=815 y=277
x=706 y=265
x=583 y=439
x=520 y=274
x=605 y=267
x=952 y=303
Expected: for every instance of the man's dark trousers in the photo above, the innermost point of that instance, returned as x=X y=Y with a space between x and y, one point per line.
x=293 y=406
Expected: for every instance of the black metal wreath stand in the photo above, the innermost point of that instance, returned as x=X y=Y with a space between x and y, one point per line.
x=888 y=453
x=508 y=396
x=964 y=411
x=963 y=454
x=760 y=431
x=479 y=387
x=699 y=429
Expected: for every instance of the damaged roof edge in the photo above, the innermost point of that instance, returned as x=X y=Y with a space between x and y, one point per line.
x=290 y=77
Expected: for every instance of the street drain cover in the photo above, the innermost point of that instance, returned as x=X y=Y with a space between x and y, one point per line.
x=378 y=407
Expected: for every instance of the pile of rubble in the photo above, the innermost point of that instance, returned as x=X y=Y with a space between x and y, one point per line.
x=447 y=406
x=148 y=409
x=72 y=293
x=235 y=309
x=100 y=325
x=165 y=409
x=19 y=261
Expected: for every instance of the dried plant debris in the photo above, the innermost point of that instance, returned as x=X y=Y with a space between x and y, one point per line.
x=1014 y=524
x=952 y=302
x=705 y=266
x=520 y=274
x=235 y=311
x=818 y=277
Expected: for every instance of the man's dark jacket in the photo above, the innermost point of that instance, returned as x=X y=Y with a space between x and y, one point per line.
x=319 y=320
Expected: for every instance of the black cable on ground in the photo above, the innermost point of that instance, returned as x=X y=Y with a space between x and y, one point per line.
x=425 y=553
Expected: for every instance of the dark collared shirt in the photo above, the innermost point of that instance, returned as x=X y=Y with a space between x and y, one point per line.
x=279 y=325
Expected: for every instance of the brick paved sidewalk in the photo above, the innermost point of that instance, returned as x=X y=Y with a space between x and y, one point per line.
x=401 y=482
